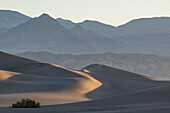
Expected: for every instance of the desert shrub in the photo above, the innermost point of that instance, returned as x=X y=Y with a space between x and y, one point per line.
x=26 y=103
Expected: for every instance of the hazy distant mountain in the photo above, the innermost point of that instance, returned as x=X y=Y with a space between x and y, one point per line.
x=45 y=33
x=151 y=35
x=156 y=25
x=146 y=64
x=98 y=27
x=95 y=26
x=87 y=34
x=42 y=33
x=145 y=35
x=66 y=23
x=155 y=31
x=10 y=19
x=148 y=31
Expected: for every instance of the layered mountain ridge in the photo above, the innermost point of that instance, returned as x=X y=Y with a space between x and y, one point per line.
x=44 y=33
x=145 y=35
x=146 y=64
x=10 y=19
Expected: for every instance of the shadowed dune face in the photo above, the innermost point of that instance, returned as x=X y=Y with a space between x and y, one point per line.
x=99 y=69
x=50 y=84
x=122 y=92
x=94 y=88
x=48 y=90
x=118 y=82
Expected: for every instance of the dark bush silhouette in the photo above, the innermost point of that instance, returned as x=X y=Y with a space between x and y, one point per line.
x=26 y=103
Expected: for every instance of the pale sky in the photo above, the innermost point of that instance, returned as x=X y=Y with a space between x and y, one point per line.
x=114 y=12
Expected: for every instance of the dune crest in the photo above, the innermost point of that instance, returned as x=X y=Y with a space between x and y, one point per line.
x=83 y=85
x=48 y=83
x=94 y=88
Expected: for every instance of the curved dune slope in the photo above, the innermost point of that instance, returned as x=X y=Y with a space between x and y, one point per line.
x=122 y=92
x=49 y=84
x=118 y=82
x=96 y=88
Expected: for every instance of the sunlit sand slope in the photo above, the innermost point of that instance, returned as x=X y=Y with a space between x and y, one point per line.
x=95 y=89
x=47 y=83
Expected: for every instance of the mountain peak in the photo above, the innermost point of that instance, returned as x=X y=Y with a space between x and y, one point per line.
x=45 y=19
x=62 y=19
x=90 y=21
x=96 y=24
x=45 y=15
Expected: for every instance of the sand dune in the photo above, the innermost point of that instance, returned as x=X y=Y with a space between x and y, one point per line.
x=95 y=89
x=47 y=83
x=5 y=75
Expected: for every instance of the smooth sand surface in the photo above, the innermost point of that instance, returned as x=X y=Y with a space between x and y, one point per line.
x=94 y=89
x=5 y=75
x=46 y=83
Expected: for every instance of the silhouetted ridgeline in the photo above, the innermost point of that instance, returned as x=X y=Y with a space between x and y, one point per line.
x=145 y=35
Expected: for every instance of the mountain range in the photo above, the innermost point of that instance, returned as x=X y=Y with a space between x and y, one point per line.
x=145 y=64
x=11 y=19
x=44 y=33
